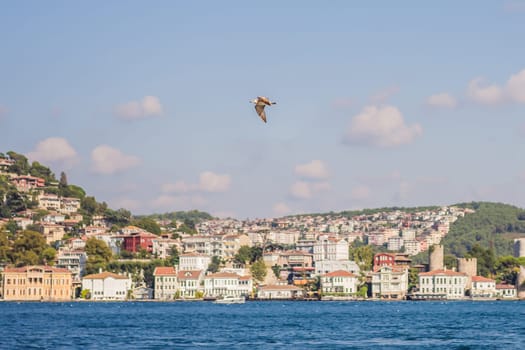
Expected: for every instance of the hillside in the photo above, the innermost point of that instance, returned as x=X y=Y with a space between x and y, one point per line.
x=493 y=225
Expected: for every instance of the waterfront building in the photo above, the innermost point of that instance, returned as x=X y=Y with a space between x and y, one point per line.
x=482 y=287
x=189 y=283
x=327 y=266
x=107 y=286
x=42 y=283
x=165 y=282
x=224 y=283
x=443 y=284
x=506 y=291
x=276 y=292
x=389 y=282
x=339 y=282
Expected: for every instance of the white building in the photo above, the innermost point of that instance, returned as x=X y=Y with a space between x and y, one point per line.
x=443 y=283
x=74 y=261
x=390 y=282
x=482 y=287
x=190 y=283
x=412 y=247
x=395 y=243
x=107 y=286
x=279 y=292
x=165 y=283
x=224 y=283
x=330 y=248
x=506 y=291
x=327 y=266
x=339 y=282
x=194 y=261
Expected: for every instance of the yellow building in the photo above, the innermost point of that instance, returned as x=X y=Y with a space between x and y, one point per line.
x=41 y=283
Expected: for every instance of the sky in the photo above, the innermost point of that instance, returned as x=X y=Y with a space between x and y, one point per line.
x=145 y=104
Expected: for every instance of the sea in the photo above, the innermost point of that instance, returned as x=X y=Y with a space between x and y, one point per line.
x=263 y=325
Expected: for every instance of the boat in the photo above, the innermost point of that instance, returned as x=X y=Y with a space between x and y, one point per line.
x=230 y=299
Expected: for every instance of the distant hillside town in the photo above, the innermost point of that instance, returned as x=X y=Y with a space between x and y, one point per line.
x=57 y=243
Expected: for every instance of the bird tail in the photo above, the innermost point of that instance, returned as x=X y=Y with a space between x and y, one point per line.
x=273 y=103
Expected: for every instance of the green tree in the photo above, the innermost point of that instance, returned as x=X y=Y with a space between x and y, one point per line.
x=5 y=248
x=99 y=255
x=63 y=180
x=244 y=255
x=363 y=256
x=28 y=248
x=38 y=170
x=48 y=255
x=215 y=264
x=148 y=224
x=258 y=270
x=21 y=165
x=15 y=202
x=173 y=258
x=486 y=260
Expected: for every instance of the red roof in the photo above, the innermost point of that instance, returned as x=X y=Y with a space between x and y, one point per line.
x=189 y=275
x=339 y=273
x=165 y=271
x=223 y=275
x=26 y=268
x=481 y=279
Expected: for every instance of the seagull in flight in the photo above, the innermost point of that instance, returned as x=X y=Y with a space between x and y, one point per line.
x=260 y=102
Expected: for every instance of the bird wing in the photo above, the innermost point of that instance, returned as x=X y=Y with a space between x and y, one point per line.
x=264 y=100
x=260 y=112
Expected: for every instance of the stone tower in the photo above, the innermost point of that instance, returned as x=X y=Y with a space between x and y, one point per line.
x=468 y=266
x=435 y=257
x=519 y=247
x=521 y=283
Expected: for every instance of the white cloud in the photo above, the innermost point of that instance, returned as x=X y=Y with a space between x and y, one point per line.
x=281 y=209
x=177 y=187
x=442 y=100
x=316 y=169
x=359 y=193
x=301 y=190
x=480 y=92
x=54 y=149
x=212 y=182
x=516 y=87
x=383 y=95
x=149 y=106
x=208 y=182
x=306 y=190
x=109 y=160
x=381 y=127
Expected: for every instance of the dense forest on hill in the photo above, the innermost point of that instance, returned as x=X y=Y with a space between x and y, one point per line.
x=492 y=226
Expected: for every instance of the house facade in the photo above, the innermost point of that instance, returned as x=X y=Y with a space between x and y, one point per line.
x=390 y=282
x=276 y=292
x=482 y=287
x=339 y=282
x=107 y=286
x=225 y=283
x=37 y=283
x=165 y=283
x=443 y=283
x=190 y=283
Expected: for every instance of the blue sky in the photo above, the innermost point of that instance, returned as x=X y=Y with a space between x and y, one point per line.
x=379 y=103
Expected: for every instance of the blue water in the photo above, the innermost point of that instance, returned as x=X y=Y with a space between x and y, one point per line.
x=263 y=325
